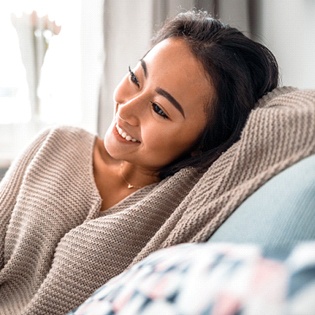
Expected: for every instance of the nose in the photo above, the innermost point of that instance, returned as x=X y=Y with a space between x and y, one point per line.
x=130 y=111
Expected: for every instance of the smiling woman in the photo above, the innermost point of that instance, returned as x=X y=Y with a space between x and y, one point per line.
x=64 y=210
x=161 y=100
x=161 y=115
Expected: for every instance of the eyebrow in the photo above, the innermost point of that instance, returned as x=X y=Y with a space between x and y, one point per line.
x=144 y=67
x=162 y=92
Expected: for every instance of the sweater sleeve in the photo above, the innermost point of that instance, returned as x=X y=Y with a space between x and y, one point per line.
x=11 y=183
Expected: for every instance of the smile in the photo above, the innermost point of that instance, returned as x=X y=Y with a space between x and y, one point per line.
x=124 y=135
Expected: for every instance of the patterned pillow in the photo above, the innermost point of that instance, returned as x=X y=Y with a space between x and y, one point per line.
x=211 y=278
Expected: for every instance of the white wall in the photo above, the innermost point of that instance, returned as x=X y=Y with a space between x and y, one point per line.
x=287 y=27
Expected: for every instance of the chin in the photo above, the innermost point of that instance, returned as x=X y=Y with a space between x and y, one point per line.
x=108 y=144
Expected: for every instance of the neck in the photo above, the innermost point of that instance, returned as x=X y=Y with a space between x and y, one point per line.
x=136 y=177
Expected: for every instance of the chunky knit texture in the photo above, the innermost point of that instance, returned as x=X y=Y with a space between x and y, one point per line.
x=56 y=247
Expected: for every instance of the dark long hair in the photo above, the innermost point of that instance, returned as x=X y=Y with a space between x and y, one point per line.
x=241 y=71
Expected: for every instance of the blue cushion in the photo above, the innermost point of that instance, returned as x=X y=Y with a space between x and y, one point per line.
x=280 y=213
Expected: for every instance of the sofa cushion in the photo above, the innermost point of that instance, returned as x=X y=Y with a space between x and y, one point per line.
x=280 y=213
x=211 y=278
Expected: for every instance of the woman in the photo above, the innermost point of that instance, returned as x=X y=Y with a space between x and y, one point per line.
x=76 y=210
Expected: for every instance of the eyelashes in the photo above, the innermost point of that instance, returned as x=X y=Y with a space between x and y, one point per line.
x=156 y=108
x=133 y=77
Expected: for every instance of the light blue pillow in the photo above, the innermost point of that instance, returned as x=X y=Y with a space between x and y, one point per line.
x=279 y=214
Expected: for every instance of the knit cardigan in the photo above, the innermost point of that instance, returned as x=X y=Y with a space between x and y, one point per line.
x=56 y=247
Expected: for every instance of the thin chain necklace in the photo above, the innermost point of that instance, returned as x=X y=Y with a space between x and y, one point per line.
x=130 y=186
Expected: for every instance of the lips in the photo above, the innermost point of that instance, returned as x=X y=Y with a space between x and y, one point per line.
x=124 y=135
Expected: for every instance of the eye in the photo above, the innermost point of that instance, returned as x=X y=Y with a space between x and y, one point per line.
x=133 y=78
x=159 y=110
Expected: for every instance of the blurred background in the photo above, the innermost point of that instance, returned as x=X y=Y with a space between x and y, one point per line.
x=60 y=60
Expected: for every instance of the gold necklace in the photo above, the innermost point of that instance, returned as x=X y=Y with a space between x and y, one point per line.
x=130 y=186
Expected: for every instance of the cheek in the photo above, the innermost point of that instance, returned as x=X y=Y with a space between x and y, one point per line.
x=170 y=142
x=187 y=138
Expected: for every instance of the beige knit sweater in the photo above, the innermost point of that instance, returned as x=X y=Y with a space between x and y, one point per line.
x=55 y=246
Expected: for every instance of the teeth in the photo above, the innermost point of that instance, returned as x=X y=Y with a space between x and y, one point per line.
x=125 y=135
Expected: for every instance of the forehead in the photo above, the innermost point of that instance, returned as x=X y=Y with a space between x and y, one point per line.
x=174 y=67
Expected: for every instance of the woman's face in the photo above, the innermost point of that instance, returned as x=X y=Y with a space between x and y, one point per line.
x=160 y=107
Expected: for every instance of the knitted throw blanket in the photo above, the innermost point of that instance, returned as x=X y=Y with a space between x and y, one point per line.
x=55 y=246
